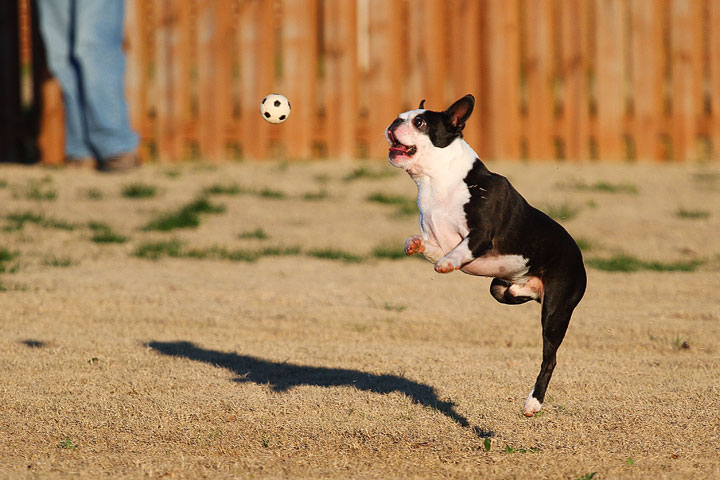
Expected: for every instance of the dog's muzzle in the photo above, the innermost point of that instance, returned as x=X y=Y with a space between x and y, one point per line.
x=396 y=147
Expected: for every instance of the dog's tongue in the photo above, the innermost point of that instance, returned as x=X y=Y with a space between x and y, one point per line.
x=399 y=148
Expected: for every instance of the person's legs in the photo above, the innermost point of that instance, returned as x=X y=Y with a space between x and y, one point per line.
x=101 y=61
x=56 y=26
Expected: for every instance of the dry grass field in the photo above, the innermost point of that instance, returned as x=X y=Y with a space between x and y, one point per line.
x=259 y=321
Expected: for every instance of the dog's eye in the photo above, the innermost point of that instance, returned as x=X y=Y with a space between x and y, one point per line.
x=419 y=122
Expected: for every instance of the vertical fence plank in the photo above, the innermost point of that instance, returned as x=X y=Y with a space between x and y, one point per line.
x=257 y=74
x=576 y=130
x=385 y=74
x=503 y=89
x=51 y=140
x=172 y=74
x=465 y=64
x=538 y=69
x=610 y=78
x=136 y=71
x=214 y=76
x=714 y=54
x=686 y=57
x=341 y=84
x=433 y=67
x=163 y=79
x=300 y=64
x=647 y=74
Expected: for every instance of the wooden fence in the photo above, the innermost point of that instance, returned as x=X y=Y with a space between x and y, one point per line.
x=577 y=80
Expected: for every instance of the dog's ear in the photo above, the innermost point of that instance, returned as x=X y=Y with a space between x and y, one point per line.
x=422 y=103
x=460 y=111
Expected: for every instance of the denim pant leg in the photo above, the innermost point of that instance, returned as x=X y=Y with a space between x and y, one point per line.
x=101 y=61
x=56 y=24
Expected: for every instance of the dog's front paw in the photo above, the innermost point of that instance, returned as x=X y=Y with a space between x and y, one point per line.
x=446 y=265
x=414 y=244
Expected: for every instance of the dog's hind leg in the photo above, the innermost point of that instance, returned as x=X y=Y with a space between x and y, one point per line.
x=511 y=294
x=560 y=299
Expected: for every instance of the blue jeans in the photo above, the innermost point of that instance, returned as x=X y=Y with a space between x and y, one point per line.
x=83 y=41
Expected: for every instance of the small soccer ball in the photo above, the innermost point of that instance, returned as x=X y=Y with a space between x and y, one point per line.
x=275 y=108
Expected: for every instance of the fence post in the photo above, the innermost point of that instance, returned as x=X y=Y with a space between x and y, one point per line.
x=610 y=77
x=647 y=75
x=504 y=90
x=300 y=73
x=136 y=79
x=385 y=75
x=714 y=7
x=467 y=52
x=214 y=77
x=257 y=74
x=576 y=101
x=686 y=57
x=341 y=74
x=538 y=69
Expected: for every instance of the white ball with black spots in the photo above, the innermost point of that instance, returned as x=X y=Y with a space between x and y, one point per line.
x=275 y=108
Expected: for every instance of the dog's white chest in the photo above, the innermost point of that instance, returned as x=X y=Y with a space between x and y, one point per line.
x=442 y=212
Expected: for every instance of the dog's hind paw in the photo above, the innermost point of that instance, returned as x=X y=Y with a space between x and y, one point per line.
x=532 y=406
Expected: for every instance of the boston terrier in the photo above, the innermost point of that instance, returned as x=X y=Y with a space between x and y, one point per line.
x=473 y=220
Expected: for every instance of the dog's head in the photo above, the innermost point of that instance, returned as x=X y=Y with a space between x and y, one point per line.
x=418 y=136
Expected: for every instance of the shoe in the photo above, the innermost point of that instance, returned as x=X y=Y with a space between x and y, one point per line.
x=122 y=162
x=80 y=163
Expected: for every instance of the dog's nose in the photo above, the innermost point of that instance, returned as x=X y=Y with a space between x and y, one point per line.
x=389 y=132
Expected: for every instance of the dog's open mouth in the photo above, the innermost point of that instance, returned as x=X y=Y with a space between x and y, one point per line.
x=397 y=148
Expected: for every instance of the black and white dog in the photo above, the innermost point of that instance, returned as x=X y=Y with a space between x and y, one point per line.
x=473 y=220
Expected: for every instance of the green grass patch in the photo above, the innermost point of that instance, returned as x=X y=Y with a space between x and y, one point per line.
x=627 y=263
x=3 y=183
x=156 y=250
x=584 y=244
x=336 y=254
x=62 y=261
x=602 y=187
x=108 y=236
x=93 y=194
x=67 y=444
x=41 y=189
x=392 y=307
x=692 y=214
x=258 y=234
x=588 y=476
x=279 y=251
x=564 y=211
x=224 y=189
x=389 y=252
x=509 y=449
x=103 y=233
x=176 y=249
x=18 y=220
x=315 y=196
x=139 y=190
x=405 y=206
x=187 y=216
x=41 y=193
x=7 y=256
x=271 y=194
x=388 y=199
x=364 y=173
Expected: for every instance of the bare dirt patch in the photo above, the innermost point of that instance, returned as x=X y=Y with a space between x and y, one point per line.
x=274 y=341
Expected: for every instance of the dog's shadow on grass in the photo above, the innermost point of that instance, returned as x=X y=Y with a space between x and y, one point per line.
x=282 y=376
